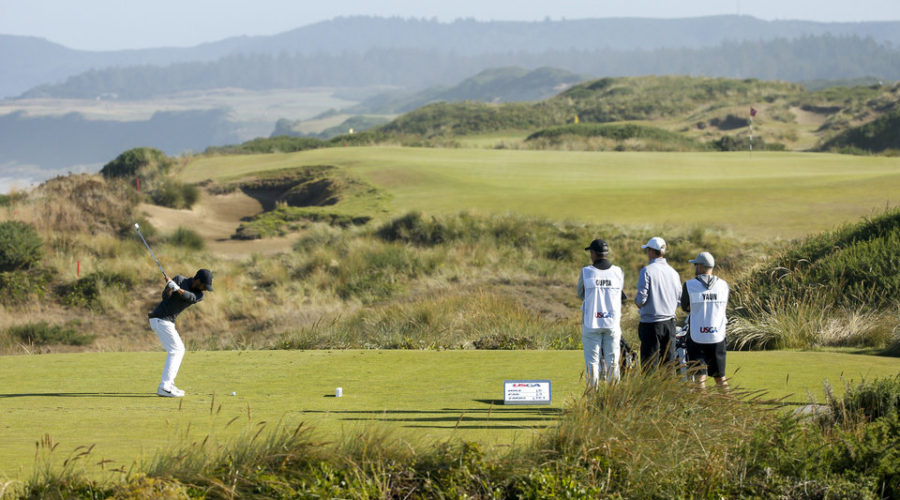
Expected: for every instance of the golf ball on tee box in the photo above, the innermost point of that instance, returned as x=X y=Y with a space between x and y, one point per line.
x=233 y=393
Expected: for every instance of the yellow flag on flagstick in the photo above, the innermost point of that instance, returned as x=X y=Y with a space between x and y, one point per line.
x=576 y=118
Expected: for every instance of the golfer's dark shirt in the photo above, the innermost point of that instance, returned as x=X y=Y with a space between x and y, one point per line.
x=174 y=303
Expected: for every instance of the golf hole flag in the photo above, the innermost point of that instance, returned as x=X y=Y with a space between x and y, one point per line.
x=526 y=392
x=752 y=111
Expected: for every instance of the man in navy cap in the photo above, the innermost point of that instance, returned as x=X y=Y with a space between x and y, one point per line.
x=179 y=294
x=600 y=288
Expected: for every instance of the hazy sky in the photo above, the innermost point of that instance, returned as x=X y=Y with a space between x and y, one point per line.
x=125 y=24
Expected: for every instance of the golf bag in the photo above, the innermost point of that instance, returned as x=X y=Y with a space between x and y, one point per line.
x=681 y=336
x=627 y=357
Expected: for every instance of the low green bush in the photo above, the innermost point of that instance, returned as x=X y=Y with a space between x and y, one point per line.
x=619 y=136
x=173 y=194
x=43 y=333
x=21 y=287
x=149 y=162
x=8 y=200
x=870 y=400
x=378 y=273
x=278 y=144
x=742 y=143
x=502 y=341
x=285 y=219
x=20 y=246
x=187 y=238
x=85 y=292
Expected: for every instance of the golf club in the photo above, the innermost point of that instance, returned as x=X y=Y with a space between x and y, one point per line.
x=138 y=229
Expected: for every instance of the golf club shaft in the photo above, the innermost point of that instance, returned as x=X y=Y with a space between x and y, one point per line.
x=136 y=228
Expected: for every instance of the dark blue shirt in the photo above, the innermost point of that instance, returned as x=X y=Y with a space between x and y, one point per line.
x=174 y=303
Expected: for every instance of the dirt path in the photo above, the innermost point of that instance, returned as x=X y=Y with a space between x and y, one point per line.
x=216 y=218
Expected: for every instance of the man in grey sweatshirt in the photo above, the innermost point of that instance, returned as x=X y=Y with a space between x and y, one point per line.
x=658 y=295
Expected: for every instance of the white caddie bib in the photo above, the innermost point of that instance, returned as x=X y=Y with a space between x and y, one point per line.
x=708 y=311
x=602 y=307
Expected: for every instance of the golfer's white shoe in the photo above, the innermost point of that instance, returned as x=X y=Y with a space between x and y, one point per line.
x=169 y=392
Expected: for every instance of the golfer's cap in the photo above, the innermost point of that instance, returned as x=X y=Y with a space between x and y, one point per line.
x=598 y=246
x=704 y=259
x=655 y=243
x=205 y=277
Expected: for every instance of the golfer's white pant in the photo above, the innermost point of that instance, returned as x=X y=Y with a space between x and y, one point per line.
x=601 y=354
x=171 y=342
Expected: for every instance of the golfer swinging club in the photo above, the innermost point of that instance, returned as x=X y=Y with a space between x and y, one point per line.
x=179 y=294
x=600 y=287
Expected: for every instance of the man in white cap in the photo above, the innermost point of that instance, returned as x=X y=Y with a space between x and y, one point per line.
x=658 y=294
x=705 y=298
x=600 y=287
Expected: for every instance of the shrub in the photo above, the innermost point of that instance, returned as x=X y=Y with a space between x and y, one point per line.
x=173 y=194
x=7 y=200
x=187 y=238
x=870 y=400
x=147 y=162
x=43 y=333
x=285 y=219
x=85 y=292
x=20 y=246
x=621 y=136
x=502 y=341
x=19 y=287
x=278 y=144
x=378 y=273
x=415 y=228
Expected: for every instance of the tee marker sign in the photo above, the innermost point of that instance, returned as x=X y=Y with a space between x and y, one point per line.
x=526 y=392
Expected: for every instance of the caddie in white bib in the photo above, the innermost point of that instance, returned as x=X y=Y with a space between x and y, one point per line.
x=705 y=298
x=600 y=288
x=708 y=306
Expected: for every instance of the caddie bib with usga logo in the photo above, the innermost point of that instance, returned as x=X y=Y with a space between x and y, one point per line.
x=708 y=311
x=602 y=307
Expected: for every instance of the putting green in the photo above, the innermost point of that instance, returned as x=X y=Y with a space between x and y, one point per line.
x=108 y=399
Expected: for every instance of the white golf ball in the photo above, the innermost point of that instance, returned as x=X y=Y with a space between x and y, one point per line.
x=233 y=393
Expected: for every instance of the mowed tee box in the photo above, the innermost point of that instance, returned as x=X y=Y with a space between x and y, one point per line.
x=526 y=392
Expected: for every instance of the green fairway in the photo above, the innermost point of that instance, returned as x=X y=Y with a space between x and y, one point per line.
x=108 y=399
x=763 y=195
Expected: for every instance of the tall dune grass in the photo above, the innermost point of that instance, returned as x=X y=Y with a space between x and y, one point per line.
x=838 y=288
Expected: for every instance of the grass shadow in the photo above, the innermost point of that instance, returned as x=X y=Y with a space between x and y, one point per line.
x=82 y=395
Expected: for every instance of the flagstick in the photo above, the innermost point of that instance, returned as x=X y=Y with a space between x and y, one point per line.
x=751 y=136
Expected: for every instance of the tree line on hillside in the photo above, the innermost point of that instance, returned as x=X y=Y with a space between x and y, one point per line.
x=803 y=59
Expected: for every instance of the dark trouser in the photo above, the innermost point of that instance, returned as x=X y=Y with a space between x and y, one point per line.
x=708 y=357
x=657 y=343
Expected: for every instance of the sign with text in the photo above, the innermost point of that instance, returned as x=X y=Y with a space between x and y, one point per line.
x=526 y=392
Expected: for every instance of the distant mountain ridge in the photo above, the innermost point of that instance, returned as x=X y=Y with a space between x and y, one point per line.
x=804 y=59
x=29 y=61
